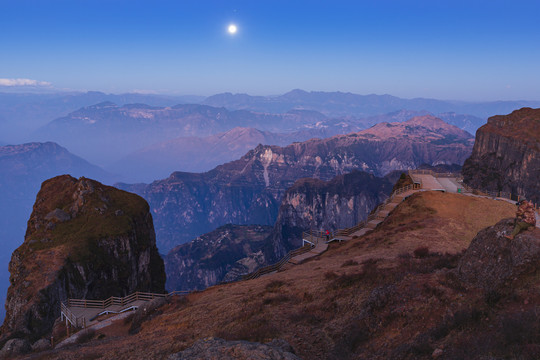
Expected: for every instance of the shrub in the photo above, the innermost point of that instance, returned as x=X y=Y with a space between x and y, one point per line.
x=274 y=285
x=348 y=341
x=350 y=262
x=492 y=297
x=330 y=275
x=346 y=280
x=86 y=335
x=256 y=329
x=278 y=299
x=521 y=328
x=421 y=252
x=146 y=312
x=307 y=297
x=303 y=316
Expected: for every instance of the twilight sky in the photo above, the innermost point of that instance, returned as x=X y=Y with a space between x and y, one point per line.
x=466 y=50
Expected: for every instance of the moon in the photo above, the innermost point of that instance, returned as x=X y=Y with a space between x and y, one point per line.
x=232 y=29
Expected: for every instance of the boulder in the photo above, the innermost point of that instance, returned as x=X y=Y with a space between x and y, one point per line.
x=15 y=347
x=492 y=261
x=41 y=345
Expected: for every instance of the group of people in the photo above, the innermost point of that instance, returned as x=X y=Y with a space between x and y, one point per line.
x=525 y=218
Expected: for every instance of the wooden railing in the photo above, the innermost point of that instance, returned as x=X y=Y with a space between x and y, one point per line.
x=80 y=322
x=77 y=322
x=113 y=300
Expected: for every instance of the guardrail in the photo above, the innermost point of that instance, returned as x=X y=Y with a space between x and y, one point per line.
x=80 y=322
x=113 y=300
x=66 y=313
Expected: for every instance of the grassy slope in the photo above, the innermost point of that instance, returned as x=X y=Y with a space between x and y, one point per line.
x=367 y=297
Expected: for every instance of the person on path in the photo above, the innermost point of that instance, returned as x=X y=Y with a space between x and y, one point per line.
x=525 y=218
x=327 y=235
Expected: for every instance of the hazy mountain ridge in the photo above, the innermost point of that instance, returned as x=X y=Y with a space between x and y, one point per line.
x=249 y=190
x=196 y=154
x=22 y=113
x=343 y=104
x=112 y=132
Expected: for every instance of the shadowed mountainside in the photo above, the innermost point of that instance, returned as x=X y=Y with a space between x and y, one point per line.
x=363 y=298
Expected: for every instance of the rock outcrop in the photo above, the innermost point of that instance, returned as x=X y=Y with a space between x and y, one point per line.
x=249 y=190
x=209 y=258
x=216 y=348
x=23 y=168
x=492 y=261
x=312 y=204
x=84 y=240
x=506 y=155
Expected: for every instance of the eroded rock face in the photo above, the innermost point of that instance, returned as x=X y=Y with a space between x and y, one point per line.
x=312 y=204
x=506 y=155
x=250 y=190
x=215 y=348
x=208 y=259
x=491 y=261
x=84 y=240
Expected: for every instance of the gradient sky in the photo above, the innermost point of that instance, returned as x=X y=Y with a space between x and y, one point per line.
x=466 y=50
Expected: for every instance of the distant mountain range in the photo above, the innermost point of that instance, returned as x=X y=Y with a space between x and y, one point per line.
x=335 y=104
x=249 y=190
x=198 y=154
x=22 y=113
x=111 y=132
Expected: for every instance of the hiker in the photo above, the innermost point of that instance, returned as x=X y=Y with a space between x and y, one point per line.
x=327 y=235
x=525 y=218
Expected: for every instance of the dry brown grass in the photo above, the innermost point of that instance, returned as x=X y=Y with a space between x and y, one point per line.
x=389 y=301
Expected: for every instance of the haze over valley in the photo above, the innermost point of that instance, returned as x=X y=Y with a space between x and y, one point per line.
x=269 y=179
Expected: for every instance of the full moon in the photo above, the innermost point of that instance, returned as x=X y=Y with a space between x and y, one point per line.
x=232 y=29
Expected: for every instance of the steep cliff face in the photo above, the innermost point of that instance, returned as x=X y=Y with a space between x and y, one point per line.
x=314 y=204
x=208 y=259
x=84 y=240
x=249 y=190
x=22 y=170
x=506 y=155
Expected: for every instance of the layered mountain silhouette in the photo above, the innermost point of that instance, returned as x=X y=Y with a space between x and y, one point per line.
x=249 y=190
x=23 y=112
x=112 y=132
x=348 y=104
x=199 y=154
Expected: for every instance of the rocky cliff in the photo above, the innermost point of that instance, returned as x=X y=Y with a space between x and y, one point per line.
x=208 y=259
x=314 y=204
x=84 y=240
x=506 y=155
x=23 y=168
x=249 y=190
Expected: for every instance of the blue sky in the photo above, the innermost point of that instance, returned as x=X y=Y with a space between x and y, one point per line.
x=466 y=50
